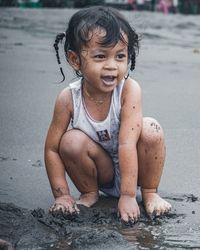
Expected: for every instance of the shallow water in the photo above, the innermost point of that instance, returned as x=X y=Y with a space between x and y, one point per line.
x=167 y=67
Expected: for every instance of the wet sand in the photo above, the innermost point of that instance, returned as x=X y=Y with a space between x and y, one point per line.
x=167 y=69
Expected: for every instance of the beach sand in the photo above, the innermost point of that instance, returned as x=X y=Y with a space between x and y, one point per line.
x=167 y=68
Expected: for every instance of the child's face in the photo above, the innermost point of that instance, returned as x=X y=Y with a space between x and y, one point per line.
x=103 y=67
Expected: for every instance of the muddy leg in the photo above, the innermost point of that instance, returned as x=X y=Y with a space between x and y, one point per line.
x=86 y=163
x=151 y=158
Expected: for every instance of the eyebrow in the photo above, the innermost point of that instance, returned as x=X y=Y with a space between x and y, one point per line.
x=102 y=49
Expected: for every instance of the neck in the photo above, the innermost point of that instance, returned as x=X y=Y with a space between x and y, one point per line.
x=97 y=99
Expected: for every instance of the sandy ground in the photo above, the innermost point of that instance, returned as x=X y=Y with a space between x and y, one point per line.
x=168 y=69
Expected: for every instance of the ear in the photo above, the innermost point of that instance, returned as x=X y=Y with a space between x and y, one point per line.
x=73 y=60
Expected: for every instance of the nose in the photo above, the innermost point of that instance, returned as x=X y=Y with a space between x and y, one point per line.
x=110 y=64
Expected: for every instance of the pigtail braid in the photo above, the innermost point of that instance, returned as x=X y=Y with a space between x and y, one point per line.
x=135 y=50
x=59 y=39
x=133 y=59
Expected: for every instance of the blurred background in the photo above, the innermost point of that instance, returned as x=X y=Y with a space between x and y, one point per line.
x=167 y=69
x=165 y=6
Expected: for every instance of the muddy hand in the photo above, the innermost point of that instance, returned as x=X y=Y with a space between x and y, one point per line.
x=128 y=209
x=65 y=204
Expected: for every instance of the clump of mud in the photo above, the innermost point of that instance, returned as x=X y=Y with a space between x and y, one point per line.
x=37 y=229
x=98 y=228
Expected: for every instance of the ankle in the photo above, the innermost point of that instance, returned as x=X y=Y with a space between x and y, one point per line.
x=88 y=199
x=93 y=194
x=149 y=190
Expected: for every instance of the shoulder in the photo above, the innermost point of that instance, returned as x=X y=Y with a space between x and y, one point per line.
x=64 y=103
x=131 y=84
x=131 y=91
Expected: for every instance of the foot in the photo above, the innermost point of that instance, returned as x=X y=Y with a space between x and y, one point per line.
x=154 y=204
x=88 y=199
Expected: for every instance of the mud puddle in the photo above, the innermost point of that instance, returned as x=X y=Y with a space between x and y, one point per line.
x=100 y=228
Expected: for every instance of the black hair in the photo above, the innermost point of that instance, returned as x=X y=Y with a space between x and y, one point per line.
x=86 y=20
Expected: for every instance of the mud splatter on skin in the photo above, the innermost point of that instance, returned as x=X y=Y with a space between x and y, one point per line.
x=156 y=126
x=60 y=191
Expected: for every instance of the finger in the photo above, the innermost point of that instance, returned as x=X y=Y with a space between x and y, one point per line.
x=61 y=209
x=71 y=209
x=76 y=209
x=54 y=205
x=134 y=215
x=51 y=209
x=133 y=218
x=132 y=222
x=124 y=217
x=58 y=208
x=130 y=216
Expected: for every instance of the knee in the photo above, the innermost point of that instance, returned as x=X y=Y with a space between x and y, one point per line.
x=71 y=144
x=152 y=132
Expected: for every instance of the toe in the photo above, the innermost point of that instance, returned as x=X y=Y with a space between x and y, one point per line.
x=149 y=208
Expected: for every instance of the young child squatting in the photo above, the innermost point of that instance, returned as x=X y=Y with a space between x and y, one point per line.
x=110 y=146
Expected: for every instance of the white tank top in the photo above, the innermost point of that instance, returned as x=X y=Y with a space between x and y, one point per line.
x=104 y=132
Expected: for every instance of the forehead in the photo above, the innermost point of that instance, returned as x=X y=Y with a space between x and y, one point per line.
x=97 y=36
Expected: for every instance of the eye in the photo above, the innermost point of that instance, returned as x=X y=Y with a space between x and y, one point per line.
x=121 y=56
x=99 y=56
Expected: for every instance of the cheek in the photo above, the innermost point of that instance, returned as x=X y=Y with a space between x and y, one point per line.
x=93 y=67
x=90 y=70
x=123 y=68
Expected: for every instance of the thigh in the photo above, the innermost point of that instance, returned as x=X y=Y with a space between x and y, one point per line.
x=79 y=147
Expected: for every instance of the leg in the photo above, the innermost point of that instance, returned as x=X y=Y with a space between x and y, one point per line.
x=87 y=164
x=151 y=157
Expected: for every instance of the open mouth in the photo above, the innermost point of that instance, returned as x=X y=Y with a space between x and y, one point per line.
x=109 y=80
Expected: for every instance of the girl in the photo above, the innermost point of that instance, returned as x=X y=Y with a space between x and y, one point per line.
x=110 y=146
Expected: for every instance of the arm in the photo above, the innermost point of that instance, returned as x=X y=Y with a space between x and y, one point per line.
x=130 y=129
x=54 y=165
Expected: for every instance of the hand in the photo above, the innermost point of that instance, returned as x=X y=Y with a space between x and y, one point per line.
x=128 y=208
x=66 y=204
